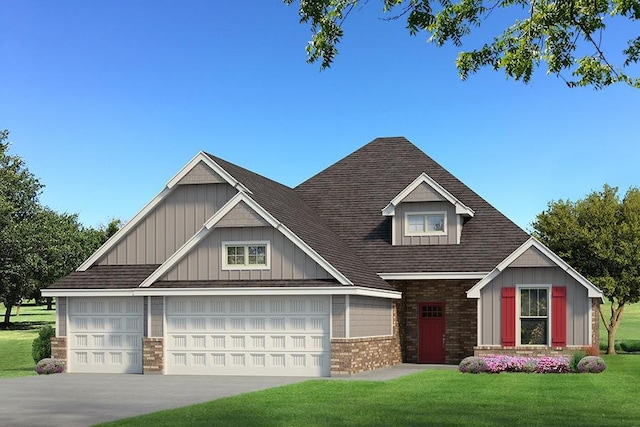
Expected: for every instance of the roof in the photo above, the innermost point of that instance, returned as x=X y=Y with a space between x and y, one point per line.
x=106 y=277
x=286 y=205
x=349 y=195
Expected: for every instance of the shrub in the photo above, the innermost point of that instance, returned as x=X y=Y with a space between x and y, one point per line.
x=41 y=347
x=630 y=346
x=575 y=359
x=473 y=365
x=50 y=366
x=592 y=364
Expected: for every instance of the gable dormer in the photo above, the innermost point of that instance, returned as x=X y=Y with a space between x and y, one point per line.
x=425 y=213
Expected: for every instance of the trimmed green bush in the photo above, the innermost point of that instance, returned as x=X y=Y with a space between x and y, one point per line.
x=630 y=346
x=41 y=347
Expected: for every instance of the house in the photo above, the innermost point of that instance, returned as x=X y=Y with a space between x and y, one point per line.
x=383 y=257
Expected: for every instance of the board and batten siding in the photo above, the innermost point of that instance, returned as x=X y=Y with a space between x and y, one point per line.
x=449 y=238
x=578 y=303
x=169 y=225
x=287 y=261
x=370 y=317
x=424 y=193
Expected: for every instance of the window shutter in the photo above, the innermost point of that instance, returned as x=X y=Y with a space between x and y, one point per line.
x=559 y=316
x=509 y=317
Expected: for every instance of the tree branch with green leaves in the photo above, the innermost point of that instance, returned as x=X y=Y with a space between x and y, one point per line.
x=566 y=35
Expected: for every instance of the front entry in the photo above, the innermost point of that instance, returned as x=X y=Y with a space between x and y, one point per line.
x=431 y=332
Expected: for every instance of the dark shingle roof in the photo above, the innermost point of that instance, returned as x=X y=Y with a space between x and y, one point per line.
x=289 y=208
x=106 y=277
x=350 y=195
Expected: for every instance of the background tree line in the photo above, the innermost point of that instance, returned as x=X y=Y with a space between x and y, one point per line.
x=37 y=245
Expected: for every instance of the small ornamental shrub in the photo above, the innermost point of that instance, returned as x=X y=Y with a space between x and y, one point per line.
x=50 y=366
x=473 y=365
x=41 y=347
x=575 y=359
x=630 y=346
x=591 y=364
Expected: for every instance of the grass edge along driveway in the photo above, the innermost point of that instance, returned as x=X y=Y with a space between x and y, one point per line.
x=435 y=397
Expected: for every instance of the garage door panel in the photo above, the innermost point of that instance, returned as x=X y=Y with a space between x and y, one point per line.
x=248 y=336
x=105 y=335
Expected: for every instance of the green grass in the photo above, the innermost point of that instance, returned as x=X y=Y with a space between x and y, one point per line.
x=15 y=343
x=438 y=398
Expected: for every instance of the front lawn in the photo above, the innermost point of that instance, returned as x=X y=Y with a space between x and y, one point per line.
x=438 y=398
x=15 y=342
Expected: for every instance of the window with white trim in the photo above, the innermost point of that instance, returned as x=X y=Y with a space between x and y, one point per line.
x=245 y=255
x=425 y=223
x=534 y=316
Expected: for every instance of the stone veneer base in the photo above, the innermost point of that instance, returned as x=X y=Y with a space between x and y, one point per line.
x=352 y=355
x=59 y=348
x=152 y=356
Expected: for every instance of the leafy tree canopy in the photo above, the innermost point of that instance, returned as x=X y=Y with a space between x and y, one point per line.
x=600 y=237
x=567 y=35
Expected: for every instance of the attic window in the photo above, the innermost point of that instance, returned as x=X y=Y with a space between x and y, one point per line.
x=425 y=223
x=245 y=255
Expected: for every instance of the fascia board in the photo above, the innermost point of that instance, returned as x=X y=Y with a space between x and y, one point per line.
x=227 y=291
x=215 y=218
x=461 y=208
x=115 y=239
x=202 y=157
x=453 y=275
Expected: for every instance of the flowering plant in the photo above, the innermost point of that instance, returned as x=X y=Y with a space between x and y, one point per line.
x=497 y=364
x=50 y=366
x=592 y=364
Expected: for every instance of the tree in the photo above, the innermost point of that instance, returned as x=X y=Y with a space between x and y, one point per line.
x=38 y=246
x=600 y=237
x=19 y=191
x=565 y=34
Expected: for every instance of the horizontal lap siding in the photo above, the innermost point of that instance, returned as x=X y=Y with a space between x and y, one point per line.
x=169 y=225
x=370 y=317
x=338 y=316
x=288 y=262
x=577 y=301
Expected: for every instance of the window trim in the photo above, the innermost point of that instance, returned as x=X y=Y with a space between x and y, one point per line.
x=226 y=266
x=425 y=214
x=548 y=288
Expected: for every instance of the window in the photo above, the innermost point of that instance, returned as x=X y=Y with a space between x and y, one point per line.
x=245 y=255
x=425 y=223
x=534 y=316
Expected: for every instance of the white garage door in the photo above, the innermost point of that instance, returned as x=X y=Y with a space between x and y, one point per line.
x=105 y=335
x=248 y=336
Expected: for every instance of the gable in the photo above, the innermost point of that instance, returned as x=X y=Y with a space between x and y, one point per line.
x=286 y=261
x=242 y=215
x=168 y=225
x=201 y=174
x=424 y=193
x=532 y=257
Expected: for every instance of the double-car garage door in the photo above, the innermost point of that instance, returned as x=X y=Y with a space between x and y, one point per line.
x=259 y=335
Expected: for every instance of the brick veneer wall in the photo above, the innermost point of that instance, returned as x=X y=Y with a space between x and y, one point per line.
x=152 y=355
x=460 y=316
x=595 y=321
x=353 y=355
x=59 y=348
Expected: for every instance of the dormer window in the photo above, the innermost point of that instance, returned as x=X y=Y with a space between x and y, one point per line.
x=425 y=223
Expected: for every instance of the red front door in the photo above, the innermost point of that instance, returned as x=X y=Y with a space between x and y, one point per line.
x=431 y=332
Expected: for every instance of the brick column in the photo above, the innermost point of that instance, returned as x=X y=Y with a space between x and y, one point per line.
x=152 y=355
x=595 y=322
x=59 y=348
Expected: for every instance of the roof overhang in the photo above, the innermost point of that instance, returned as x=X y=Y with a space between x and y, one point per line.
x=230 y=291
x=593 y=290
x=453 y=275
x=423 y=178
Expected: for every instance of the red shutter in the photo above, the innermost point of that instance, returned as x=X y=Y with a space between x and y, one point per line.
x=509 y=317
x=559 y=316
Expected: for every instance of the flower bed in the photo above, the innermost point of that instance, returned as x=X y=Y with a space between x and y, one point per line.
x=497 y=364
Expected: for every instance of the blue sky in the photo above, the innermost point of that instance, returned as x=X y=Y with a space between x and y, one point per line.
x=106 y=100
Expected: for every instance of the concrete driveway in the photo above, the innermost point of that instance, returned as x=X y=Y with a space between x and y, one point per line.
x=86 y=399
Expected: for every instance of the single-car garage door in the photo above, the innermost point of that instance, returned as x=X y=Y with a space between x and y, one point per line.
x=248 y=335
x=105 y=335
